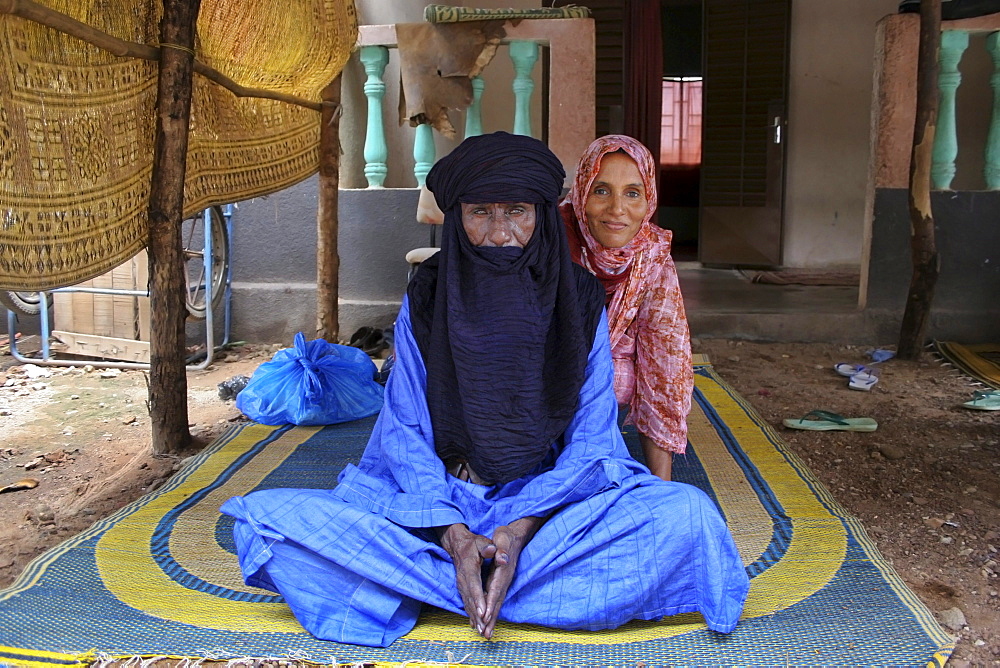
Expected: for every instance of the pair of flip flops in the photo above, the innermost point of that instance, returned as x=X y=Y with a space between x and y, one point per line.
x=861 y=377
x=984 y=401
x=370 y=339
x=830 y=421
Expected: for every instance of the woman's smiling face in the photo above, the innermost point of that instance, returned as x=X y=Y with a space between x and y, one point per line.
x=616 y=204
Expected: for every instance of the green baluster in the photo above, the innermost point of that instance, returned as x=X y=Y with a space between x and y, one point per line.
x=423 y=152
x=992 y=168
x=474 y=115
x=375 y=58
x=953 y=45
x=523 y=54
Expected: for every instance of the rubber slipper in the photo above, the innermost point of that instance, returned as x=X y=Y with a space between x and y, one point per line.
x=829 y=421
x=863 y=380
x=984 y=401
x=847 y=369
x=359 y=337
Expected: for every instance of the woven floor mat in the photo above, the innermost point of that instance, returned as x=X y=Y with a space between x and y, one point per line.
x=159 y=579
x=979 y=362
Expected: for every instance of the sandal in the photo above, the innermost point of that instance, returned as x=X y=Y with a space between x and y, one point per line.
x=863 y=380
x=847 y=369
x=370 y=340
x=984 y=401
x=359 y=337
x=831 y=422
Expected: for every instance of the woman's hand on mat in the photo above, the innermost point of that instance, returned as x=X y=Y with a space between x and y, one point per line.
x=509 y=540
x=468 y=551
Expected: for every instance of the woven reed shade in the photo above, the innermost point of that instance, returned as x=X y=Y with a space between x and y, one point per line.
x=76 y=125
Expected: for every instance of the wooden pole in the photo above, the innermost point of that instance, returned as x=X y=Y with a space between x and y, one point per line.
x=327 y=255
x=923 y=247
x=167 y=375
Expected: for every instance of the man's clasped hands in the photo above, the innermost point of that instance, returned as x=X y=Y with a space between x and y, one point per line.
x=470 y=551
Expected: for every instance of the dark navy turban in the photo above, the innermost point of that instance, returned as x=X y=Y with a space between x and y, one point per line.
x=504 y=332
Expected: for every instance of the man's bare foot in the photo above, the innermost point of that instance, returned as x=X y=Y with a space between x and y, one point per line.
x=659 y=461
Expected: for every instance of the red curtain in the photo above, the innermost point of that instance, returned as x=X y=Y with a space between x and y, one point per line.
x=644 y=76
x=643 y=72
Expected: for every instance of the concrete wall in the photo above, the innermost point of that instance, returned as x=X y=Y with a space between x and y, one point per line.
x=830 y=92
x=274 y=244
x=831 y=65
x=832 y=57
x=966 y=305
x=274 y=260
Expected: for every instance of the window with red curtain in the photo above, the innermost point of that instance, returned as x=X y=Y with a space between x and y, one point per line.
x=680 y=124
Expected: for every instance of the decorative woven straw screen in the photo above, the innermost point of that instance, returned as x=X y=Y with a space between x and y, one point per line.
x=77 y=125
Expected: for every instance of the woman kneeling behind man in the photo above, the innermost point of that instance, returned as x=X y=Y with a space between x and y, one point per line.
x=608 y=221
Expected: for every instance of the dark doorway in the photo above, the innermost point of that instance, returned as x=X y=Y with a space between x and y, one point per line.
x=680 y=135
x=728 y=60
x=743 y=133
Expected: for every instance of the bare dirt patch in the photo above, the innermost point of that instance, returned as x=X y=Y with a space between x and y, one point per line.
x=83 y=434
x=925 y=484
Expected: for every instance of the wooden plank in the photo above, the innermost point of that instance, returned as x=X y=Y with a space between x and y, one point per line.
x=107 y=347
x=103 y=309
x=116 y=316
x=123 y=307
x=142 y=303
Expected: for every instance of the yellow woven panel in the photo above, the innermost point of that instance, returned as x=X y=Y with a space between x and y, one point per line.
x=77 y=125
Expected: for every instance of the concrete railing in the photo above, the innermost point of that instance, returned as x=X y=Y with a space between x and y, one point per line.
x=570 y=105
x=894 y=110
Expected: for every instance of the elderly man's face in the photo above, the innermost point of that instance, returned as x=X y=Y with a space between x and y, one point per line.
x=501 y=224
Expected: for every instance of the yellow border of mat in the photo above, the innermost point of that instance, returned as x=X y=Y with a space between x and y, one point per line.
x=798 y=493
x=813 y=557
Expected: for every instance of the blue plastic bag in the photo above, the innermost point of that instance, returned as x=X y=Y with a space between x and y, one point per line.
x=314 y=383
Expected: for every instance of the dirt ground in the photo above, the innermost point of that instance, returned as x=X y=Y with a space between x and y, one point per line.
x=926 y=484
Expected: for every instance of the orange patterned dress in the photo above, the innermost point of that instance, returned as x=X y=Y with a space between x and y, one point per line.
x=650 y=341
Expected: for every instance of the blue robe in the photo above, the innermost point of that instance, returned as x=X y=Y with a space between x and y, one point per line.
x=356 y=563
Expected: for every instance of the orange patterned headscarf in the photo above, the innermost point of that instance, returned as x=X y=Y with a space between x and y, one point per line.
x=611 y=265
x=629 y=264
x=650 y=340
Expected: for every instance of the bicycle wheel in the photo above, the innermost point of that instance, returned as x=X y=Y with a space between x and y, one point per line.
x=193 y=231
x=24 y=303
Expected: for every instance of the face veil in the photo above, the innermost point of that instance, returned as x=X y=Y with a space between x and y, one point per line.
x=504 y=332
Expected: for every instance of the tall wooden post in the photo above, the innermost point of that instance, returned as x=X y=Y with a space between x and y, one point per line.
x=923 y=247
x=327 y=222
x=167 y=380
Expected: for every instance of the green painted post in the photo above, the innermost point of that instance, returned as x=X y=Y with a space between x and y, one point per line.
x=474 y=115
x=423 y=152
x=991 y=169
x=953 y=45
x=375 y=58
x=523 y=54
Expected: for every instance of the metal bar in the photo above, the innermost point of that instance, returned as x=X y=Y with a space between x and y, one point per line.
x=43 y=312
x=104 y=291
x=206 y=258
x=227 y=215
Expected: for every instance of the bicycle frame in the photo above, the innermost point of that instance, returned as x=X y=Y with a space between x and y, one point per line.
x=47 y=358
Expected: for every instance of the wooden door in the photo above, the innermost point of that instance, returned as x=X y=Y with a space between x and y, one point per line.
x=743 y=132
